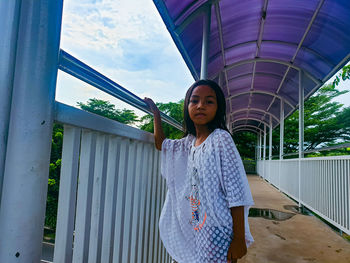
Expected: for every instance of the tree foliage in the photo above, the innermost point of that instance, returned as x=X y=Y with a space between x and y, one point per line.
x=108 y=110
x=54 y=175
x=343 y=75
x=174 y=110
x=326 y=123
x=245 y=143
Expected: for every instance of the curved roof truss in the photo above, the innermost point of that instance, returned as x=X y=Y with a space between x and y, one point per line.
x=276 y=61
x=250 y=118
x=249 y=126
x=255 y=109
x=265 y=93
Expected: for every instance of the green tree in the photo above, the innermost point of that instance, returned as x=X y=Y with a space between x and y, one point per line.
x=174 y=110
x=108 y=110
x=54 y=173
x=343 y=75
x=326 y=123
x=323 y=124
x=245 y=143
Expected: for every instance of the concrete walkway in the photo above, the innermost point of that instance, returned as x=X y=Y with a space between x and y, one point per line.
x=301 y=238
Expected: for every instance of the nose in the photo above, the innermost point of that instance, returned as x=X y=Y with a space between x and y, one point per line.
x=200 y=104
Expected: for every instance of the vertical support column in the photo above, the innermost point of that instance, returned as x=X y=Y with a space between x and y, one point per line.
x=270 y=149
x=257 y=147
x=281 y=129
x=260 y=144
x=9 y=20
x=281 y=141
x=205 y=43
x=23 y=200
x=270 y=139
x=264 y=152
x=301 y=128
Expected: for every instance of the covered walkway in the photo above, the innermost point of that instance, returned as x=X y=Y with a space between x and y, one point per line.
x=301 y=238
x=268 y=56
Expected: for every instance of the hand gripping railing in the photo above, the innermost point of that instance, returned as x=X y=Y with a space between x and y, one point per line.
x=80 y=70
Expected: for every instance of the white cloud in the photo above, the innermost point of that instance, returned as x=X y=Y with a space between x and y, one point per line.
x=126 y=41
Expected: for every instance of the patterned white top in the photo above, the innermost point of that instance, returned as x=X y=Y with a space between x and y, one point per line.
x=203 y=183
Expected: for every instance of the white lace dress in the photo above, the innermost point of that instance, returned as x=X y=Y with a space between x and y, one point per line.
x=203 y=183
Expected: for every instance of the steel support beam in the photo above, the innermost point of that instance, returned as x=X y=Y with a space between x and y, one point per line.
x=23 y=200
x=249 y=126
x=251 y=118
x=301 y=130
x=264 y=153
x=270 y=139
x=255 y=109
x=260 y=143
x=205 y=43
x=281 y=129
x=277 y=61
x=262 y=92
x=301 y=115
x=9 y=20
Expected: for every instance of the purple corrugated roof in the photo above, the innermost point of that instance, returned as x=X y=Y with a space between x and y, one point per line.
x=258 y=47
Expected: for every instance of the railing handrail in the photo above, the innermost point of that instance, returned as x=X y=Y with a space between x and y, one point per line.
x=80 y=70
x=334 y=157
x=328 y=148
x=66 y=114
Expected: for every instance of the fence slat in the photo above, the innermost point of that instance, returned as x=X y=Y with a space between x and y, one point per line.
x=146 y=243
x=83 y=211
x=119 y=218
x=136 y=203
x=144 y=186
x=128 y=203
x=109 y=205
x=67 y=195
x=153 y=208
x=98 y=190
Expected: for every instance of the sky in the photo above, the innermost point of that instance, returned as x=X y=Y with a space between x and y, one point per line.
x=127 y=41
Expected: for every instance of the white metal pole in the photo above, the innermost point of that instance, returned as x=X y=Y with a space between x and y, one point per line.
x=264 y=152
x=257 y=147
x=259 y=158
x=270 y=139
x=281 y=141
x=9 y=19
x=205 y=43
x=281 y=129
x=301 y=128
x=260 y=144
x=23 y=202
x=270 y=150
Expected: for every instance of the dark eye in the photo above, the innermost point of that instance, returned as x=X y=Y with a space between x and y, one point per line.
x=193 y=101
x=210 y=102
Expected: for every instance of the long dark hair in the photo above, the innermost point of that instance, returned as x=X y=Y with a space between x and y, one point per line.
x=220 y=118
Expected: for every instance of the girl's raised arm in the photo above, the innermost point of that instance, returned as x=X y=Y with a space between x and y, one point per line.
x=158 y=130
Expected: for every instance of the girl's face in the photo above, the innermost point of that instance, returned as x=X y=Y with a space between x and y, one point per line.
x=203 y=105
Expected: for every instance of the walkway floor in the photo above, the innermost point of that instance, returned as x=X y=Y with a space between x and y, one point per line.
x=302 y=238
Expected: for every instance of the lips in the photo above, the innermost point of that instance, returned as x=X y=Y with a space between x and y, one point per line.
x=200 y=115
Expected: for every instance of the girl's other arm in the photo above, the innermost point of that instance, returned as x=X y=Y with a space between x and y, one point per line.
x=238 y=246
x=158 y=130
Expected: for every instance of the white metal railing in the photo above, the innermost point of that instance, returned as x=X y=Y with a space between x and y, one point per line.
x=111 y=192
x=323 y=185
